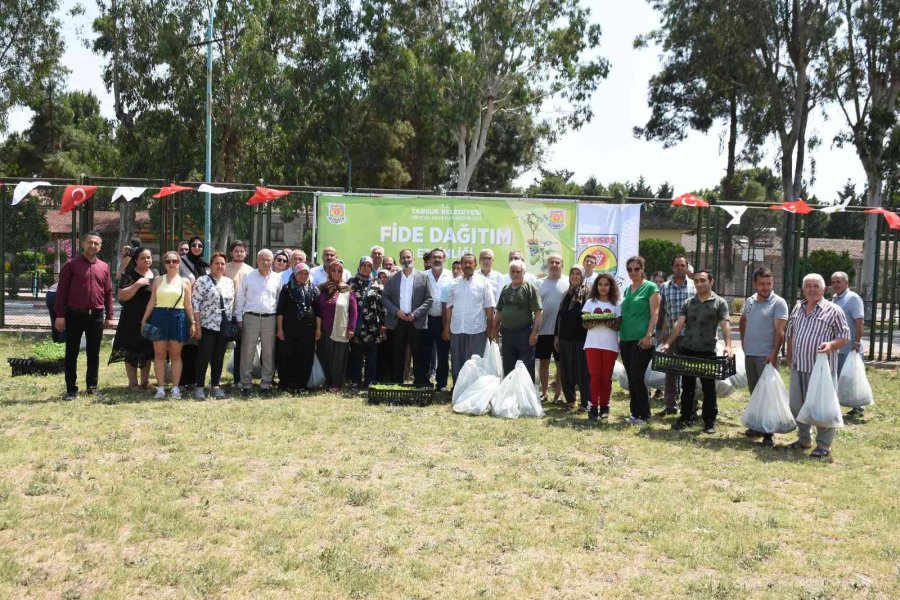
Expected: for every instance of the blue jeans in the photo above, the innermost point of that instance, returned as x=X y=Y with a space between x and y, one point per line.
x=431 y=337
x=516 y=347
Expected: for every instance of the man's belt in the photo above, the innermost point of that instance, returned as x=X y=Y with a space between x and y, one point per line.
x=259 y=314
x=86 y=311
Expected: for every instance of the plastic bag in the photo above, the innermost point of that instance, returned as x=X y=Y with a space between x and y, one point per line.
x=723 y=388
x=316 y=376
x=516 y=396
x=505 y=403
x=493 y=362
x=821 y=407
x=469 y=374
x=654 y=379
x=739 y=379
x=256 y=371
x=769 y=410
x=853 y=385
x=620 y=374
x=476 y=400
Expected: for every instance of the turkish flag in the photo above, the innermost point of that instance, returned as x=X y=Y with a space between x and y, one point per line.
x=76 y=195
x=798 y=207
x=892 y=218
x=690 y=200
x=264 y=195
x=168 y=190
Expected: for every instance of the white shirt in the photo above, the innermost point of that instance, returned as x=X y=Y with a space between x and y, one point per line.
x=469 y=298
x=496 y=279
x=257 y=294
x=406 y=290
x=319 y=275
x=602 y=337
x=589 y=279
x=444 y=280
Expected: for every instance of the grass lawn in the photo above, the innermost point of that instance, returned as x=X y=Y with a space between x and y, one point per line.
x=326 y=497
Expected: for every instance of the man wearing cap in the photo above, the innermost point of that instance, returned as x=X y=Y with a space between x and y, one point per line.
x=408 y=298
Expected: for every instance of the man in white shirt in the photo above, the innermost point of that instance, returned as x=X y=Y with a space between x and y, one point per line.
x=529 y=277
x=408 y=297
x=377 y=255
x=439 y=278
x=552 y=288
x=486 y=260
x=254 y=309
x=297 y=257
x=590 y=263
x=319 y=275
x=470 y=314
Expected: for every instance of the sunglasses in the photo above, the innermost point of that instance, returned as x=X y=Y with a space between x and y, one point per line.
x=196 y=245
x=284 y=260
x=172 y=262
x=634 y=269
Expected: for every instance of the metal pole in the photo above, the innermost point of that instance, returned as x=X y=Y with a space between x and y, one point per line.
x=2 y=258
x=699 y=231
x=893 y=280
x=884 y=277
x=787 y=245
x=207 y=229
x=873 y=315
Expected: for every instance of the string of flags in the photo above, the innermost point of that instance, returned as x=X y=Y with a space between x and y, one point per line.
x=76 y=195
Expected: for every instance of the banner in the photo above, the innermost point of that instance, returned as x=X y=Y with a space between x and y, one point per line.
x=610 y=232
x=353 y=224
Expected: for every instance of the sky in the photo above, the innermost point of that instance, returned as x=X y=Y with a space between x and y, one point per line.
x=606 y=147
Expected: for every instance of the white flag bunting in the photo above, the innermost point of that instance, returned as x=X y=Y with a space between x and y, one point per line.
x=736 y=213
x=128 y=193
x=204 y=187
x=24 y=188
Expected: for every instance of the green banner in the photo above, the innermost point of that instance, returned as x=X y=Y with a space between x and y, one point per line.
x=353 y=224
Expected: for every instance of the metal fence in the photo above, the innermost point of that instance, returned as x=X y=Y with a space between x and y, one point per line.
x=35 y=241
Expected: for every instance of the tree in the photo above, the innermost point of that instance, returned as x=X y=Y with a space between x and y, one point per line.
x=556 y=183
x=30 y=48
x=658 y=254
x=827 y=262
x=862 y=76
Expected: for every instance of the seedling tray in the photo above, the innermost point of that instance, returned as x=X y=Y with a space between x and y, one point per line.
x=720 y=367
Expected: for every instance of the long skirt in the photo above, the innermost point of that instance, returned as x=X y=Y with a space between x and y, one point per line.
x=333 y=356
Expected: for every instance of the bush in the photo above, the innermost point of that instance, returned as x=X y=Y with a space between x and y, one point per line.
x=659 y=254
x=826 y=262
x=738 y=306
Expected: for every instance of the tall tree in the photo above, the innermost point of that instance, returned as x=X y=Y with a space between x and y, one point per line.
x=862 y=75
x=30 y=48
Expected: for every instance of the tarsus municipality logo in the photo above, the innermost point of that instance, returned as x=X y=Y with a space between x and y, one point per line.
x=337 y=213
x=557 y=219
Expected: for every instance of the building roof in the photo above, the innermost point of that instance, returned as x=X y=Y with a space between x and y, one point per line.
x=105 y=221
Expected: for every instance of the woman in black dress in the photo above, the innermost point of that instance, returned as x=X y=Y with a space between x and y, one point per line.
x=129 y=346
x=192 y=267
x=295 y=328
x=569 y=342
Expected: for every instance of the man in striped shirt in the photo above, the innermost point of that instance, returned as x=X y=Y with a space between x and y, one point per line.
x=672 y=295
x=815 y=326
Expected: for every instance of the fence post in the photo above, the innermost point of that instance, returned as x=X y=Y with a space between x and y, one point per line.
x=886 y=231
x=787 y=246
x=873 y=317
x=893 y=296
x=699 y=232
x=2 y=257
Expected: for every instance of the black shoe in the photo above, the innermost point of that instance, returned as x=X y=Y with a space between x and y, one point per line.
x=604 y=412
x=681 y=424
x=709 y=428
x=751 y=433
x=70 y=396
x=768 y=440
x=593 y=413
x=669 y=410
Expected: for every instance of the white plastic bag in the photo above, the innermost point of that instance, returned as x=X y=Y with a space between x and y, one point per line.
x=493 y=362
x=469 y=374
x=853 y=385
x=477 y=399
x=723 y=388
x=516 y=396
x=256 y=371
x=821 y=407
x=620 y=374
x=769 y=410
x=654 y=379
x=316 y=376
x=739 y=379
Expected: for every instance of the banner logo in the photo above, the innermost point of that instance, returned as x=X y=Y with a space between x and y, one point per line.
x=603 y=247
x=337 y=213
x=557 y=219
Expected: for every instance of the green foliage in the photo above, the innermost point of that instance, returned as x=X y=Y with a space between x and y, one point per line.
x=49 y=351
x=658 y=255
x=826 y=262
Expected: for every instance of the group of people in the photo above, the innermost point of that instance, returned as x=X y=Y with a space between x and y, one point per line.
x=373 y=325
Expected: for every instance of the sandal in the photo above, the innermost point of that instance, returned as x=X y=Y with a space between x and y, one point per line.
x=798 y=445
x=820 y=452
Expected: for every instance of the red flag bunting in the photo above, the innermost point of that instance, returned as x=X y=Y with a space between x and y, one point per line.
x=168 y=190
x=798 y=207
x=892 y=218
x=76 y=195
x=690 y=200
x=264 y=195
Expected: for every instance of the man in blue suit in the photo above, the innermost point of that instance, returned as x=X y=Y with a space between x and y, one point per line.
x=408 y=296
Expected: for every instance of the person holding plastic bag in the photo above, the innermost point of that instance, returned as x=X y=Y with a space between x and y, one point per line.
x=854 y=311
x=816 y=326
x=602 y=342
x=762 y=333
x=518 y=319
x=295 y=327
x=469 y=318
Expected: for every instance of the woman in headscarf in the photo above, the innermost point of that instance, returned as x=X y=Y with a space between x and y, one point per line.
x=135 y=287
x=569 y=339
x=295 y=323
x=192 y=268
x=336 y=325
x=370 y=325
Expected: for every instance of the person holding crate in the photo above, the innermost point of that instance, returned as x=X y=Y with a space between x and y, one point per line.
x=700 y=316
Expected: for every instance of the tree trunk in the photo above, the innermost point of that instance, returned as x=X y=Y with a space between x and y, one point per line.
x=867 y=278
x=728 y=188
x=468 y=158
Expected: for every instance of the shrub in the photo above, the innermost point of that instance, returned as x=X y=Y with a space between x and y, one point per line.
x=658 y=254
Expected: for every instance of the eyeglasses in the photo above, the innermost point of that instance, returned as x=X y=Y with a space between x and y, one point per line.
x=172 y=262
x=196 y=245
x=634 y=269
x=282 y=260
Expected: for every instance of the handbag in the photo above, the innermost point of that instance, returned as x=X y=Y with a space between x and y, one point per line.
x=151 y=332
x=228 y=328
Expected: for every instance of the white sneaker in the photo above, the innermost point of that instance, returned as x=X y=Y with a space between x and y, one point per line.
x=218 y=392
x=176 y=393
x=198 y=394
x=160 y=393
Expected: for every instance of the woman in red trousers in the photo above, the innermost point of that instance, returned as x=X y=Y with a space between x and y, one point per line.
x=602 y=343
